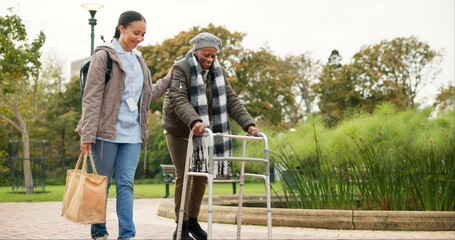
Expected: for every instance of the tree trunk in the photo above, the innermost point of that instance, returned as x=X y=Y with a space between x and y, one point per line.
x=63 y=152
x=27 y=167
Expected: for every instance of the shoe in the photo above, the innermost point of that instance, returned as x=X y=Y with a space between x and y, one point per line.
x=195 y=229
x=185 y=233
x=105 y=237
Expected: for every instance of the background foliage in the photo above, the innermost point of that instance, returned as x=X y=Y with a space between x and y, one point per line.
x=387 y=160
x=339 y=129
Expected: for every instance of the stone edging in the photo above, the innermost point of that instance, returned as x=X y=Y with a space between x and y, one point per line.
x=327 y=219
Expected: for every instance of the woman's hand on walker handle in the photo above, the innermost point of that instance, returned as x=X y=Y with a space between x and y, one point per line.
x=198 y=129
x=253 y=131
x=86 y=148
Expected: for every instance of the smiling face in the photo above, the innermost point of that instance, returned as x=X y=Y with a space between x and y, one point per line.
x=132 y=35
x=206 y=56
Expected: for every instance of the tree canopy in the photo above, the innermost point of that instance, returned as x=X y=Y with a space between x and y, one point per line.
x=390 y=71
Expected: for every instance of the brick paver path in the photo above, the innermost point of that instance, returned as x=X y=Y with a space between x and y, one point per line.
x=43 y=221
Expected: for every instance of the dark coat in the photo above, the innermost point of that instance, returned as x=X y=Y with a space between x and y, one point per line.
x=178 y=113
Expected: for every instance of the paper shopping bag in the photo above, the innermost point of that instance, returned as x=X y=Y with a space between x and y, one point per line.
x=84 y=200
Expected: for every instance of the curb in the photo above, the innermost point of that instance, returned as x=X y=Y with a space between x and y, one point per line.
x=325 y=219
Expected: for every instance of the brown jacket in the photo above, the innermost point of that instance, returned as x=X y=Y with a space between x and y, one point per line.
x=178 y=113
x=101 y=102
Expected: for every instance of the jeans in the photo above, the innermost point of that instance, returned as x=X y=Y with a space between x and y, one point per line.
x=121 y=159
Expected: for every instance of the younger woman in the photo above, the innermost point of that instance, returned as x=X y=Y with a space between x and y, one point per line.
x=114 y=115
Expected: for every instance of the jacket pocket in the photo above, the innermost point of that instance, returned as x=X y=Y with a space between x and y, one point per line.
x=109 y=115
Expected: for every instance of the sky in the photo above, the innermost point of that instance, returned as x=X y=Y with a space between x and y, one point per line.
x=285 y=26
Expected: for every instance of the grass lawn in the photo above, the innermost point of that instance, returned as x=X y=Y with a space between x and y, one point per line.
x=55 y=193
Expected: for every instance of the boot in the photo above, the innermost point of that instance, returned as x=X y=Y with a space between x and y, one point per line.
x=185 y=234
x=195 y=229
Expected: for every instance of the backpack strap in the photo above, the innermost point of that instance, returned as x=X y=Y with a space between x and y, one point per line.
x=108 y=69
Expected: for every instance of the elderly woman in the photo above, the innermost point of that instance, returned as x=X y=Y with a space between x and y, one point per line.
x=199 y=97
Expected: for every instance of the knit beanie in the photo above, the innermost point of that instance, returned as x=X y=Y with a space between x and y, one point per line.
x=205 y=40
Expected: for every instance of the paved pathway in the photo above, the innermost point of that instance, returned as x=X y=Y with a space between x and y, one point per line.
x=43 y=221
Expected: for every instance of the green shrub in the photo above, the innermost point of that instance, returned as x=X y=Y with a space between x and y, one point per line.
x=387 y=160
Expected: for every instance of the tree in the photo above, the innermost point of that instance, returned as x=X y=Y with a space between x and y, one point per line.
x=264 y=82
x=445 y=100
x=20 y=91
x=307 y=73
x=62 y=110
x=335 y=90
x=394 y=71
x=390 y=71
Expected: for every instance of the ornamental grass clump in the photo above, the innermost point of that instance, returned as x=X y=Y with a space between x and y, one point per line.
x=387 y=160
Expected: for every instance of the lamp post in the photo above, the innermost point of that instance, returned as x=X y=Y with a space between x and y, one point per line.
x=92 y=8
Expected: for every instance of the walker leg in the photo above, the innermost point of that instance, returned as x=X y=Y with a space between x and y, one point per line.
x=185 y=185
x=182 y=205
x=210 y=181
x=239 y=211
x=210 y=204
x=241 y=184
x=269 y=207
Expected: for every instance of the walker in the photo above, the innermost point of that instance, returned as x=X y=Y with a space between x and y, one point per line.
x=209 y=175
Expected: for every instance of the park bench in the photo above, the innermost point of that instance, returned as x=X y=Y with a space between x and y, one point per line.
x=168 y=176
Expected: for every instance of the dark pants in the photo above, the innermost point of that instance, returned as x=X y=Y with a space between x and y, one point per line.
x=195 y=191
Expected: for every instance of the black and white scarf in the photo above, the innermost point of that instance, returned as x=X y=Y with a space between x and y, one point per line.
x=220 y=119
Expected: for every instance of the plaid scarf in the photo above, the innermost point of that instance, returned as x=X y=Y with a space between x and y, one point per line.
x=219 y=121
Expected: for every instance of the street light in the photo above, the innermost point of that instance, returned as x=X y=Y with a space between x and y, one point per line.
x=92 y=8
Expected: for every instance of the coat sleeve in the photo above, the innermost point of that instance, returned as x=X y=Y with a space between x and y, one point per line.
x=178 y=97
x=160 y=87
x=93 y=97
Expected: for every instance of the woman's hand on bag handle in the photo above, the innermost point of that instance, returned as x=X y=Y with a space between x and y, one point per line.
x=86 y=148
x=252 y=130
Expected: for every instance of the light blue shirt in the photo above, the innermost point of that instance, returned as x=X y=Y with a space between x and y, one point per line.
x=128 y=124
